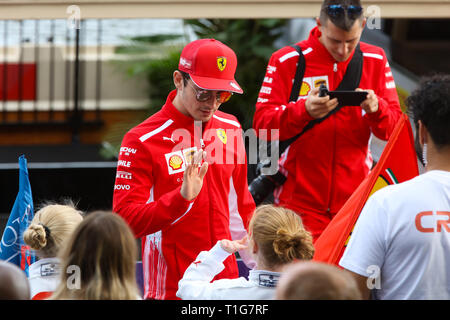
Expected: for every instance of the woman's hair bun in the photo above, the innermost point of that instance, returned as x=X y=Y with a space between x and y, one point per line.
x=35 y=236
x=288 y=245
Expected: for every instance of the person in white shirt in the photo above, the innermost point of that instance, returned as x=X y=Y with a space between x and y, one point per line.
x=276 y=238
x=50 y=228
x=400 y=246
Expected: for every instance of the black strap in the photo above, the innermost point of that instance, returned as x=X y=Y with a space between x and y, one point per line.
x=350 y=81
x=299 y=73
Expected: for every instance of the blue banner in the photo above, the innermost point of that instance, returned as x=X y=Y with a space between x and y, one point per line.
x=12 y=246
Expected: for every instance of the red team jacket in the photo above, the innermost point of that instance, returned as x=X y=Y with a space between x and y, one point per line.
x=147 y=195
x=326 y=164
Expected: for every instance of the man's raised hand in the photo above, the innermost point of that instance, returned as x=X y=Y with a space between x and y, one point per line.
x=193 y=176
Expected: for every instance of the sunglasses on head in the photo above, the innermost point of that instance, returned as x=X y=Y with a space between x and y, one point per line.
x=336 y=10
x=203 y=95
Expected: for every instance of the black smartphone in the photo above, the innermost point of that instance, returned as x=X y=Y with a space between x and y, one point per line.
x=348 y=98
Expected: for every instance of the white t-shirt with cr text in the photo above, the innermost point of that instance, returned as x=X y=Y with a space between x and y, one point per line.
x=403 y=236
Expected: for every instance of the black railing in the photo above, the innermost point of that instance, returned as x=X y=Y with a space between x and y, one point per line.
x=22 y=79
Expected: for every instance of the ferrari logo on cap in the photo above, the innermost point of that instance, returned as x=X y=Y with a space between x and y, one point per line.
x=221 y=63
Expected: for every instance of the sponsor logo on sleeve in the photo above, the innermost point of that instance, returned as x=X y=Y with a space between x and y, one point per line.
x=124 y=175
x=390 y=85
x=271 y=69
x=262 y=100
x=126 y=151
x=124 y=163
x=267 y=90
x=122 y=187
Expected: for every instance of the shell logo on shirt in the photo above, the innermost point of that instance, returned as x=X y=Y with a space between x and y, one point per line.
x=305 y=89
x=312 y=82
x=221 y=63
x=222 y=135
x=176 y=161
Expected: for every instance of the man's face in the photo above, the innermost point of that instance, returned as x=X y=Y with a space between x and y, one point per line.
x=187 y=103
x=200 y=111
x=340 y=43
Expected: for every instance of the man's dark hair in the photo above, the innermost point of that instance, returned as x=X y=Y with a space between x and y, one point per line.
x=343 y=21
x=430 y=103
x=186 y=77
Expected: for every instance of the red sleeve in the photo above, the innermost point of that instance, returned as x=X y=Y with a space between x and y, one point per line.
x=133 y=196
x=245 y=203
x=273 y=109
x=383 y=122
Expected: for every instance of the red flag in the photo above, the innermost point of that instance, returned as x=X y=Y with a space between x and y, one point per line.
x=397 y=163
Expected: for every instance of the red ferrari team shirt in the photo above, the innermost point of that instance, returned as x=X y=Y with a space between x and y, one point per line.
x=152 y=160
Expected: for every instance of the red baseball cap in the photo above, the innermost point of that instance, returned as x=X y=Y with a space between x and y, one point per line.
x=210 y=64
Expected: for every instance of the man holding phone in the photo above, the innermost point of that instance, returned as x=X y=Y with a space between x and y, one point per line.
x=327 y=163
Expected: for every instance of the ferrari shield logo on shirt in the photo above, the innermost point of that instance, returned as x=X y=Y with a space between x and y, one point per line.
x=189 y=154
x=312 y=82
x=222 y=135
x=221 y=63
x=318 y=82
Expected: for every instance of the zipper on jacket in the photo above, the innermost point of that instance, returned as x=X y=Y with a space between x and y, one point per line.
x=335 y=69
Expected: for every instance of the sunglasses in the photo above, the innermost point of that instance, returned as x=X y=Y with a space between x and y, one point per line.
x=336 y=10
x=203 y=95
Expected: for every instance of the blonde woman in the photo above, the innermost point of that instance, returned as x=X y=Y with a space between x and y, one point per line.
x=49 y=230
x=100 y=261
x=277 y=237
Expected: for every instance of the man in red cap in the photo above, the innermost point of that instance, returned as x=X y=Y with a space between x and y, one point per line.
x=181 y=180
